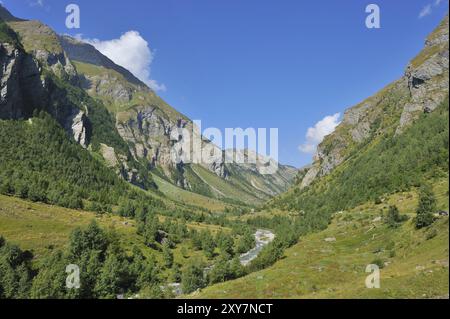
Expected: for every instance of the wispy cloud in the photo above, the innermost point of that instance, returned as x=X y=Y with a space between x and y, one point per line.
x=316 y=134
x=132 y=52
x=428 y=9
x=40 y=4
x=37 y=3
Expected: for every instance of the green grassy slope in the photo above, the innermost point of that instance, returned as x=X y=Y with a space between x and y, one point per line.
x=227 y=190
x=416 y=262
x=43 y=228
x=182 y=196
x=35 y=35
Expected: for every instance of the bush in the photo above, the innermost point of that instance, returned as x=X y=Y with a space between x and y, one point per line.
x=379 y=262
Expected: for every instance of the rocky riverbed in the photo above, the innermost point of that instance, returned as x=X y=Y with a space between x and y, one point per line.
x=262 y=238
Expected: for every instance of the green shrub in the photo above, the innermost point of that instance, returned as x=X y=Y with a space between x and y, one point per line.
x=379 y=262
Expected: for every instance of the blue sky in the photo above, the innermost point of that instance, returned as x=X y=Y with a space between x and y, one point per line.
x=257 y=63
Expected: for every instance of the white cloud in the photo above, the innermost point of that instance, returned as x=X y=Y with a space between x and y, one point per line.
x=316 y=134
x=425 y=11
x=428 y=9
x=132 y=52
x=37 y=3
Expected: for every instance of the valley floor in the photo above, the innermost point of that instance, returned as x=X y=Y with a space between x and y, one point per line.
x=327 y=264
x=332 y=263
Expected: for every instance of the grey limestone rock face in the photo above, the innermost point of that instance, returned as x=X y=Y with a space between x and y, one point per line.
x=22 y=91
x=427 y=78
x=20 y=84
x=76 y=124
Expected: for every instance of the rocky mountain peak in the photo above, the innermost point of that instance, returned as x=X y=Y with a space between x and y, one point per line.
x=84 y=52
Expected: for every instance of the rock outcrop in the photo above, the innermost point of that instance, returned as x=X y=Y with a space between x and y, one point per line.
x=427 y=76
x=21 y=85
x=77 y=125
x=25 y=89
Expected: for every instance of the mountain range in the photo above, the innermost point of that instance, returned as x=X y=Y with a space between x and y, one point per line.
x=139 y=126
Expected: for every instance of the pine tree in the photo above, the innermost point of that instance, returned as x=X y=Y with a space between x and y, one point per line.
x=151 y=230
x=51 y=279
x=167 y=255
x=225 y=243
x=109 y=279
x=393 y=218
x=426 y=208
x=221 y=271
x=192 y=277
x=236 y=268
x=208 y=244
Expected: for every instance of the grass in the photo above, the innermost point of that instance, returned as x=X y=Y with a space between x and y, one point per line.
x=43 y=229
x=185 y=197
x=415 y=263
x=223 y=189
x=35 y=35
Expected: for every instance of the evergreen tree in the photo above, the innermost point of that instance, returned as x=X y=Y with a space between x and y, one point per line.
x=151 y=230
x=111 y=277
x=208 y=244
x=236 y=268
x=193 y=277
x=220 y=271
x=196 y=240
x=167 y=255
x=149 y=276
x=426 y=208
x=15 y=271
x=393 y=218
x=225 y=243
x=92 y=238
x=50 y=283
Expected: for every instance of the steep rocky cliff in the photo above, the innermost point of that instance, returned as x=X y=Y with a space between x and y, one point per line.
x=25 y=86
x=422 y=88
